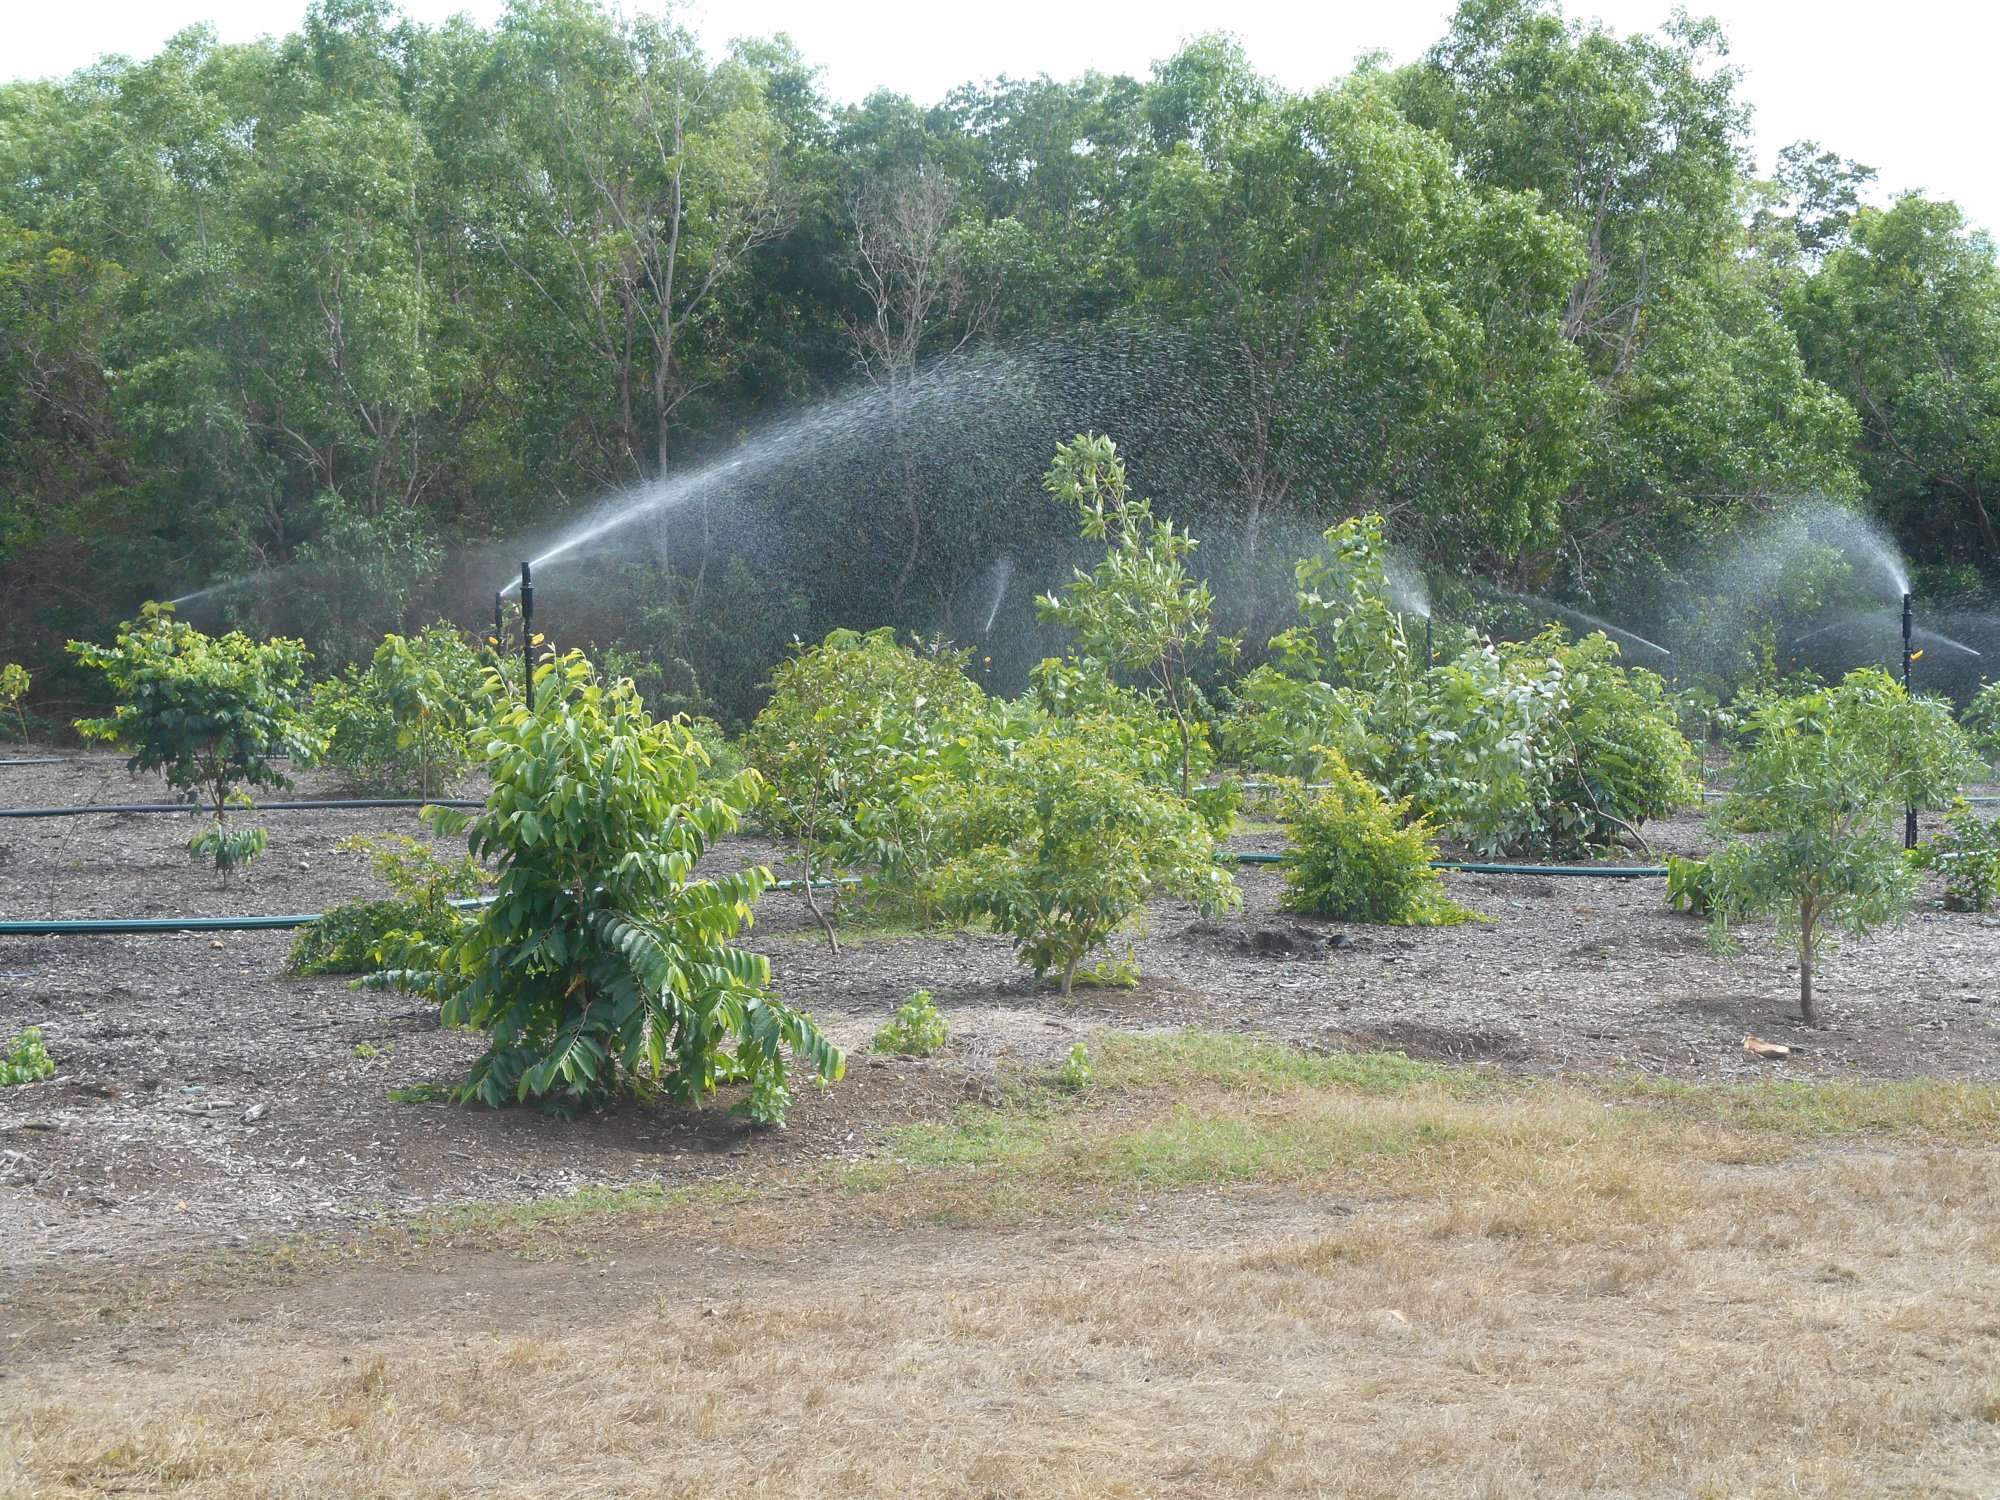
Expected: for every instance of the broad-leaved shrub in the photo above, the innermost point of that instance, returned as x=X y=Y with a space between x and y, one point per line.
x=604 y=964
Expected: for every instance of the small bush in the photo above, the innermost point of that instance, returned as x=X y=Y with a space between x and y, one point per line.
x=917 y=1031
x=1059 y=846
x=405 y=725
x=1967 y=855
x=210 y=713
x=361 y=937
x=603 y=965
x=852 y=723
x=1356 y=859
x=1982 y=721
x=1075 y=1071
x=353 y=938
x=26 y=1060
x=14 y=681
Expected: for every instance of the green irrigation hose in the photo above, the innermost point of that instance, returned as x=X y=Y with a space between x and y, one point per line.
x=323 y=804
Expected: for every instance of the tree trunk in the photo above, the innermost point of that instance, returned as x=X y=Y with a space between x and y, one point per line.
x=1807 y=942
x=812 y=905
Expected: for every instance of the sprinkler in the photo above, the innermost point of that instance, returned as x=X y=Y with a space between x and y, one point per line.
x=527 y=637
x=1909 y=655
x=1430 y=658
x=499 y=631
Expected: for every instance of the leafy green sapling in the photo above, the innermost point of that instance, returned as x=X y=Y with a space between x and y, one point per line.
x=25 y=1059
x=917 y=1029
x=853 y=724
x=212 y=714
x=1828 y=774
x=603 y=965
x=1140 y=610
x=1059 y=844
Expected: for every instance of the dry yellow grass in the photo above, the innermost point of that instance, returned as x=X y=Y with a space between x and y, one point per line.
x=1252 y=1285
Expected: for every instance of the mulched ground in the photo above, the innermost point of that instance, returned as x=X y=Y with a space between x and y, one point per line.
x=138 y=1148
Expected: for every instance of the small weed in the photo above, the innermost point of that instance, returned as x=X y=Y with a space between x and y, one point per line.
x=1111 y=974
x=26 y=1060
x=367 y=1051
x=1075 y=1071
x=423 y=1093
x=917 y=1031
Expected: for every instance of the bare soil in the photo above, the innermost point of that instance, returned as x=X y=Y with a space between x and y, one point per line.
x=164 y=1043
x=178 y=1206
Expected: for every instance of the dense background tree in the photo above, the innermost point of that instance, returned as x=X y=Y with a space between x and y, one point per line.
x=332 y=320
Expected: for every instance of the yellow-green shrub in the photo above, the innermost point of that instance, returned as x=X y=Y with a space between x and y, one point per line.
x=1355 y=857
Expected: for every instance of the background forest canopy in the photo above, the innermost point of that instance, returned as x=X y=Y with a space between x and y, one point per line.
x=329 y=330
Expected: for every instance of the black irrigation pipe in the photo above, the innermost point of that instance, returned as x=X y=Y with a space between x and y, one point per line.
x=1719 y=796
x=130 y=926
x=324 y=804
x=1476 y=867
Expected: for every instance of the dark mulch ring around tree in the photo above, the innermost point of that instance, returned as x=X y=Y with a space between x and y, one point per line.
x=204 y=1098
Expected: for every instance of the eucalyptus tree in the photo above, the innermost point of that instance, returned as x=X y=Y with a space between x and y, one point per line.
x=631 y=180
x=1386 y=335
x=1636 y=142
x=1904 y=320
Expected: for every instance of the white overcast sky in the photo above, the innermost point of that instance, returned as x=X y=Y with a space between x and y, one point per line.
x=1907 y=88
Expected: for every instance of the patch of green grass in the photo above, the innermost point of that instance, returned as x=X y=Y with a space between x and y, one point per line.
x=1245 y=827
x=1192 y=1148
x=1177 y=1059
x=1799 y=1110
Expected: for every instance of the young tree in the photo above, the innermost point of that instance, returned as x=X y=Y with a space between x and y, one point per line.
x=1059 y=844
x=1139 y=610
x=211 y=714
x=14 y=682
x=852 y=722
x=602 y=965
x=1828 y=774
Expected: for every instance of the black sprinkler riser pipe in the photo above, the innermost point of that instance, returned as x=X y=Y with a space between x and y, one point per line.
x=1909 y=637
x=528 y=636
